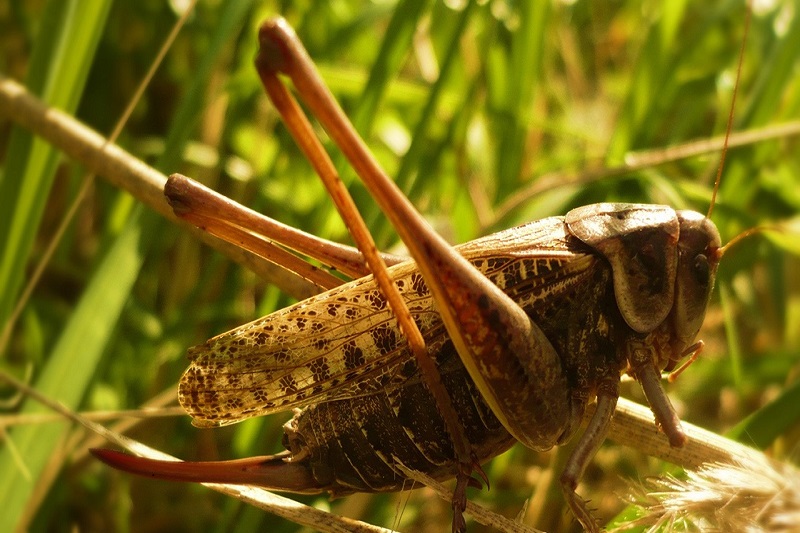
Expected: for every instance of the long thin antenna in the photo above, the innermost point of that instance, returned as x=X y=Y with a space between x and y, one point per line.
x=718 y=180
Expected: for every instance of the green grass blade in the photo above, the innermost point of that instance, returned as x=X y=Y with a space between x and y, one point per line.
x=69 y=35
x=761 y=428
x=73 y=360
x=524 y=71
x=70 y=367
x=393 y=50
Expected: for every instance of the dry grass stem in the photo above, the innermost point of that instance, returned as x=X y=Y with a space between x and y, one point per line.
x=480 y=514
x=127 y=172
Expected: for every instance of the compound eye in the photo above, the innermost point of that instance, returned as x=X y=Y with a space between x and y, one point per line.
x=701 y=270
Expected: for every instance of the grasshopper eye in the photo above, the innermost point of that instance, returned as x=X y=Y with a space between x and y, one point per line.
x=698 y=258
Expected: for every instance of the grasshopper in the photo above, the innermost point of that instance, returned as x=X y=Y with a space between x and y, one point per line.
x=525 y=327
x=411 y=385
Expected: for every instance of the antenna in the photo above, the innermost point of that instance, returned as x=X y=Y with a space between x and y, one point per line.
x=718 y=179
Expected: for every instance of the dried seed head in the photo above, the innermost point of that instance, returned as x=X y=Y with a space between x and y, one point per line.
x=754 y=497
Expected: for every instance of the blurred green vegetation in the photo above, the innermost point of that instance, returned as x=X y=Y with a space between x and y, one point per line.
x=467 y=104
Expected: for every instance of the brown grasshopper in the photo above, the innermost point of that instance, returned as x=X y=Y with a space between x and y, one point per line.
x=525 y=327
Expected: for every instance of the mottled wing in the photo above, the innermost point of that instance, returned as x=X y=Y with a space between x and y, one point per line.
x=346 y=343
x=342 y=343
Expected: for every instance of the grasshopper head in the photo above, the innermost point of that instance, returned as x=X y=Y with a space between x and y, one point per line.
x=664 y=263
x=699 y=252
